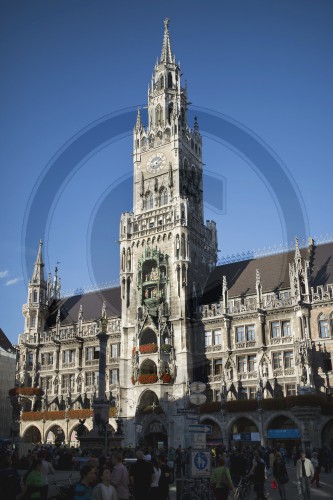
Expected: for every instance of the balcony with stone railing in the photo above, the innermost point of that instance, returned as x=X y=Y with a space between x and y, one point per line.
x=246 y=344
x=46 y=368
x=211 y=349
x=281 y=340
x=91 y=362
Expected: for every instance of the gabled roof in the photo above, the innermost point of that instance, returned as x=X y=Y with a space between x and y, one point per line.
x=91 y=303
x=5 y=343
x=274 y=273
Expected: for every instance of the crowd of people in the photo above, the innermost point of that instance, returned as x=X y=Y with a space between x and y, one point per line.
x=257 y=463
x=147 y=473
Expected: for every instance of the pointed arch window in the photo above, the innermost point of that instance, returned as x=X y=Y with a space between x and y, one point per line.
x=161 y=82
x=170 y=111
x=149 y=201
x=163 y=197
x=35 y=296
x=324 y=327
x=170 y=80
x=159 y=116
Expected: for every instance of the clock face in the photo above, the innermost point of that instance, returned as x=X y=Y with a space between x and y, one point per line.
x=156 y=163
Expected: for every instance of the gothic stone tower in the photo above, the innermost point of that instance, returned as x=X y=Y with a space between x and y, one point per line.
x=166 y=250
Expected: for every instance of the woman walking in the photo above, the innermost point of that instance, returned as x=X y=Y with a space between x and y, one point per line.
x=221 y=481
x=280 y=475
x=317 y=469
x=104 y=490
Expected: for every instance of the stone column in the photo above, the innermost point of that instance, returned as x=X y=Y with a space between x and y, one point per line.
x=262 y=320
x=227 y=323
x=102 y=337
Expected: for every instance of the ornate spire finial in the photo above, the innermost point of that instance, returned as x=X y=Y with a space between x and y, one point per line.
x=196 y=124
x=166 y=56
x=38 y=273
x=297 y=252
x=138 y=124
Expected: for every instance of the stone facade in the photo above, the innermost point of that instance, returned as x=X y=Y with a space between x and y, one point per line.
x=253 y=330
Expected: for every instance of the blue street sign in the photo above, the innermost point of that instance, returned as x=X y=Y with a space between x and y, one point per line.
x=283 y=433
x=204 y=428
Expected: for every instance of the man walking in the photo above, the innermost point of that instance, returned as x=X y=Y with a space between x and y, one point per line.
x=119 y=477
x=304 y=472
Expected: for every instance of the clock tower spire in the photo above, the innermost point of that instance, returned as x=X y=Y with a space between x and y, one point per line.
x=167 y=251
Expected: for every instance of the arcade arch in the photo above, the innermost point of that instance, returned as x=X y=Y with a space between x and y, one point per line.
x=32 y=435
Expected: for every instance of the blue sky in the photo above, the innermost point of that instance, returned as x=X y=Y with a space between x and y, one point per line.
x=67 y=66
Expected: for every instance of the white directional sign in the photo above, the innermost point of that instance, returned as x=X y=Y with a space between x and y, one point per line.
x=197 y=387
x=199 y=441
x=203 y=428
x=198 y=399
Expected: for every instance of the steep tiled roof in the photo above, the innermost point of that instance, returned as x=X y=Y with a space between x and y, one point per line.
x=92 y=304
x=5 y=343
x=274 y=273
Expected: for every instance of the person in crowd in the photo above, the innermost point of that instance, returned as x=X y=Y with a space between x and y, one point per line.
x=141 y=476
x=294 y=455
x=155 y=480
x=83 y=490
x=238 y=466
x=35 y=485
x=120 y=477
x=164 y=478
x=178 y=461
x=280 y=474
x=47 y=468
x=104 y=489
x=10 y=481
x=258 y=473
x=221 y=481
x=317 y=469
x=171 y=463
x=304 y=473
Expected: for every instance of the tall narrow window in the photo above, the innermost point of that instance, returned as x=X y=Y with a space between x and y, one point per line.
x=240 y=334
x=289 y=359
x=277 y=360
x=324 y=331
x=275 y=329
x=208 y=338
x=164 y=197
x=286 y=330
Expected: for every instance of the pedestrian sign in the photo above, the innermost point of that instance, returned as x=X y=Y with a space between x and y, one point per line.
x=200 y=464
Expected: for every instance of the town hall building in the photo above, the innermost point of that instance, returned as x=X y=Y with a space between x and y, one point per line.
x=257 y=332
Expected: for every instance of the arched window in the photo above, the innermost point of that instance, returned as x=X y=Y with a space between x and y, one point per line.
x=129 y=259
x=149 y=201
x=161 y=82
x=158 y=116
x=170 y=111
x=170 y=80
x=35 y=296
x=182 y=116
x=324 y=326
x=163 y=197
x=167 y=134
